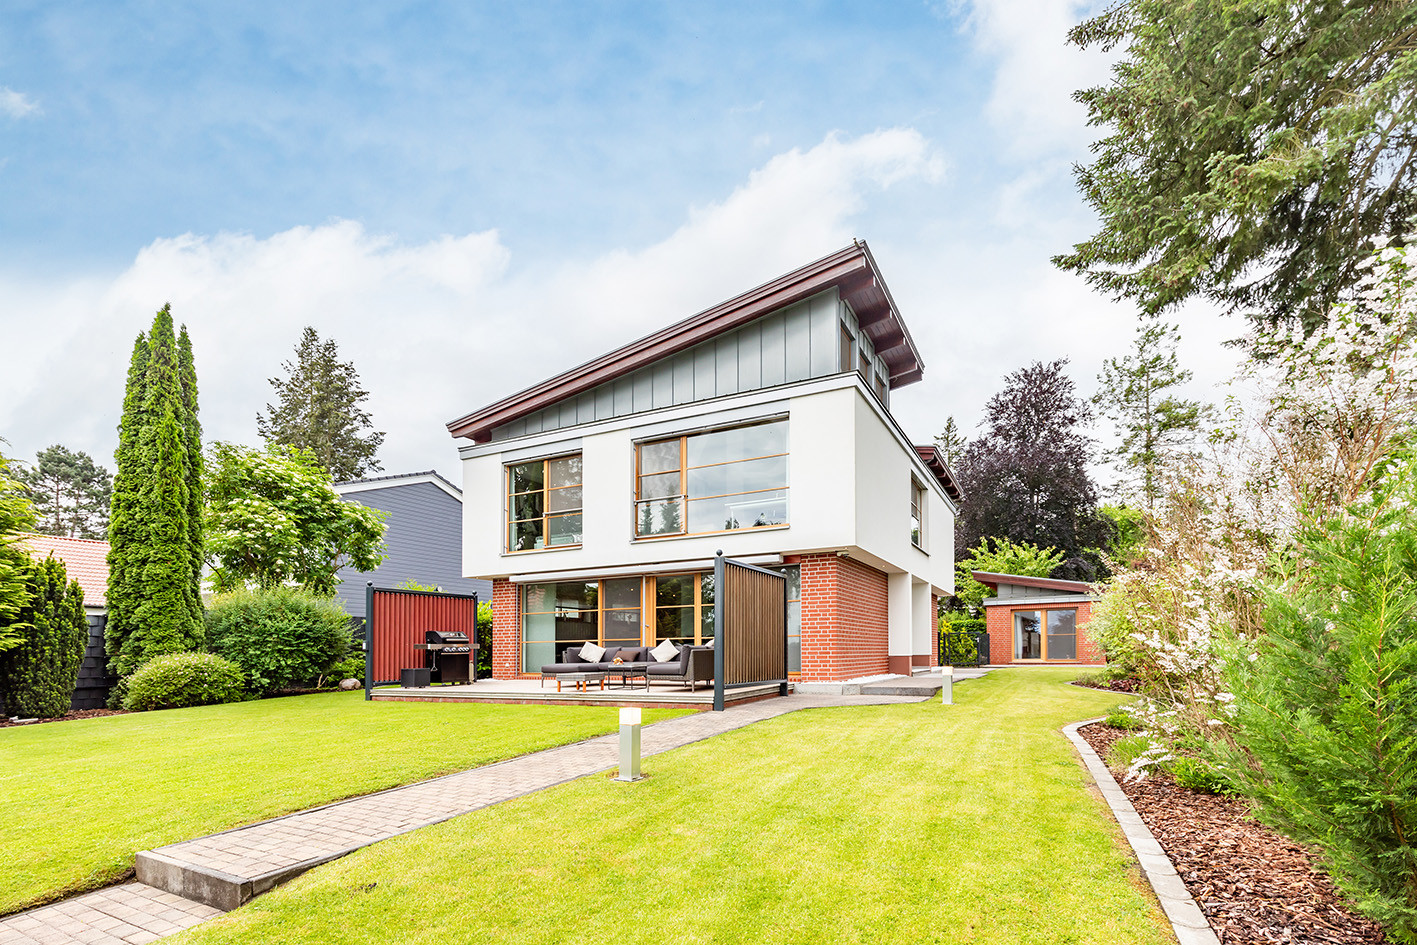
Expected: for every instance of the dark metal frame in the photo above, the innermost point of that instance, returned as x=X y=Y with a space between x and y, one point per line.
x=719 y=643
x=980 y=640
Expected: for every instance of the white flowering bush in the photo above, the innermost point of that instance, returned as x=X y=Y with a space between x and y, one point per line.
x=1324 y=720
x=1313 y=425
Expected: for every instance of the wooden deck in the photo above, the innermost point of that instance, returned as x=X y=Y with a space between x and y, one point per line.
x=528 y=692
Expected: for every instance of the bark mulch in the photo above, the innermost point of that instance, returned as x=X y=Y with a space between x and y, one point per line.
x=66 y=717
x=1254 y=886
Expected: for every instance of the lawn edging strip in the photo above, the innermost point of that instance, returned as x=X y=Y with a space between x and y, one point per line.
x=1186 y=918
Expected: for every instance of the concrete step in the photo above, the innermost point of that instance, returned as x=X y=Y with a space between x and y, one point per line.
x=922 y=686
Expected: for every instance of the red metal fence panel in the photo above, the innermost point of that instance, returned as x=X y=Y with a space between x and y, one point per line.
x=399 y=620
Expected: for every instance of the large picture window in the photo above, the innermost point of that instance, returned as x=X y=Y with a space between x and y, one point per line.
x=555 y=616
x=544 y=503
x=1045 y=634
x=720 y=480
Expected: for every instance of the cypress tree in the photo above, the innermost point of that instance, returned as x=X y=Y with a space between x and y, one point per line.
x=37 y=677
x=126 y=532
x=188 y=370
x=155 y=526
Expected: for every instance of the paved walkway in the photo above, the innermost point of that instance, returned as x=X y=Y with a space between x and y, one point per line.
x=201 y=878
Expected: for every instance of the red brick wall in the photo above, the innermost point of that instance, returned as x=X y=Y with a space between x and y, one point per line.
x=844 y=619
x=506 y=629
x=999 y=621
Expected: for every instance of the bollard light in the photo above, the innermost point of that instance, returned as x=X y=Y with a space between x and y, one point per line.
x=947 y=694
x=629 y=745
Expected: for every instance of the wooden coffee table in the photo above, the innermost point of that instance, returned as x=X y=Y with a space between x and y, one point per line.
x=582 y=680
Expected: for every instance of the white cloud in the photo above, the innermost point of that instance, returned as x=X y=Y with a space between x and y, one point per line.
x=1037 y=71
x=435 y=329
x=16 y=104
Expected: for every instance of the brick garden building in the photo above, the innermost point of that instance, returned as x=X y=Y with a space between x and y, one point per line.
x=1038 y=620
x=596 y=500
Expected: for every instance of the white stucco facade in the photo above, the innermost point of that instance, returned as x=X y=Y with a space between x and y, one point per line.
x=850 y=475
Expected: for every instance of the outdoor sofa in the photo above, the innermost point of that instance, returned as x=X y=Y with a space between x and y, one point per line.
x=693 y=665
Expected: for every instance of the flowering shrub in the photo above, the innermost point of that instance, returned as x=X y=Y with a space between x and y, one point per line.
x=1325 y=719
x=1314 y=425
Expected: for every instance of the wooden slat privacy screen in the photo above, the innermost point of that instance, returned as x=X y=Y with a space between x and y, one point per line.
x=397 y=620
x=750 y=612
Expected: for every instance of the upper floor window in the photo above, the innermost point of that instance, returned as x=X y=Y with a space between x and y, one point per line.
x=544 y=503
x=720 y=480
x=917 y=514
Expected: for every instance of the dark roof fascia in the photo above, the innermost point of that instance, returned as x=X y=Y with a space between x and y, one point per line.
x=992 y=580
x=846 y=270
x=935 y=461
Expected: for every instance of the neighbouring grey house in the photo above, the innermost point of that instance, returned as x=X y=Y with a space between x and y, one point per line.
x=424 y=537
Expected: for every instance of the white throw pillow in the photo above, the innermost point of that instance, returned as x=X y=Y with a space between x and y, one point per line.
x=592 y=653
x=665 y=652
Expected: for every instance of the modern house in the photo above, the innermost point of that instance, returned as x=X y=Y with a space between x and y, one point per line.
x=595 y=501
x=1038 y=620
x=423 y=537
x=86 y=561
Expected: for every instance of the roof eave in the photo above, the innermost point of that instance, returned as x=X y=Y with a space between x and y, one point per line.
x=852 y=271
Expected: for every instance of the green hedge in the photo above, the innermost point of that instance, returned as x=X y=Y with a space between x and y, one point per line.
x=281 y=637
x=178 y=680
x=37 y=677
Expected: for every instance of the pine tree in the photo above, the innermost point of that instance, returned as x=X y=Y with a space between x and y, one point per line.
x=951 y=442
x=154 y=578
x=1153 y=425
x=319 y=410
x=127 y=534
x=70 y=492
x=37 y=677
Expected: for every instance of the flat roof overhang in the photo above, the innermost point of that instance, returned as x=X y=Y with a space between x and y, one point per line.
x=852 y=271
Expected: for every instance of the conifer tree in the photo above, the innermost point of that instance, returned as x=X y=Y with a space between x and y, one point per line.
x=154 y=578
x=1137 y=393
x=70 y=492
x=319 y=410
x=37 y=677
x=126 y=532
x=16 y=517
x=188 y=371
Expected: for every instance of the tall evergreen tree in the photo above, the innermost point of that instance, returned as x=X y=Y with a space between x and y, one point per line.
x=951 y=442
x=154 y=544
x=70 y=493
x=319 y=410
x=127 y=532
x=37 y=677
x=187 y=367
x=1136 y=393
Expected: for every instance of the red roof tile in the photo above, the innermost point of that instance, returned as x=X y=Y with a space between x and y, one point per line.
x=85 y=559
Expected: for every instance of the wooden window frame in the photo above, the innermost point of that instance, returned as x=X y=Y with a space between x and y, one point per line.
x=599 y=610
x=682 y=495
x=546 y=513
x=1043 y=613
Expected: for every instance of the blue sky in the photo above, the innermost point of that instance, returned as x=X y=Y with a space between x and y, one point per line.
x=470 y=197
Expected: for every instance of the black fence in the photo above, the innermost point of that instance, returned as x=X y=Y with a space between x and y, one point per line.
x=968 y=648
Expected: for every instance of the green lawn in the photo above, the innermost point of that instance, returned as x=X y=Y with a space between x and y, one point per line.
x=79 y=799
x=888 y=824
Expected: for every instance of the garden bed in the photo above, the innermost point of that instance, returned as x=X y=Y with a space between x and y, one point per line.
x=71 y=715
x=1255 y=886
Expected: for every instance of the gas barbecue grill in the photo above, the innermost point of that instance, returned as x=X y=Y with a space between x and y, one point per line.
x=448 y=656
